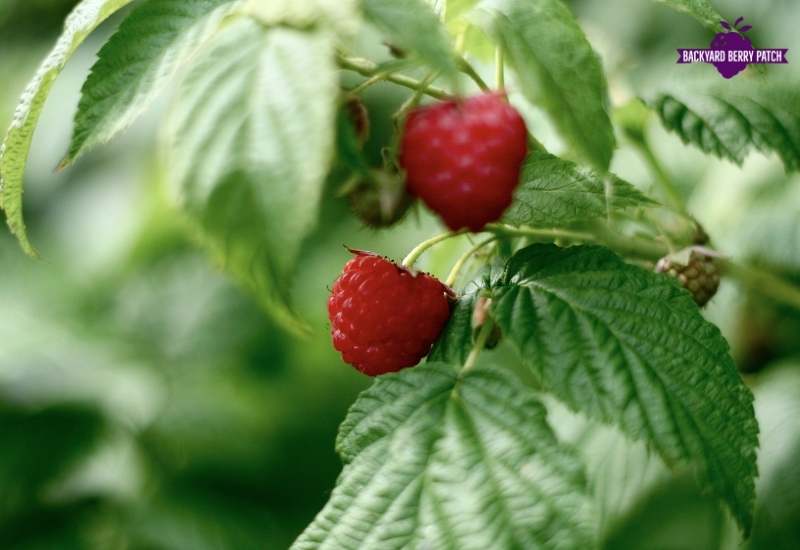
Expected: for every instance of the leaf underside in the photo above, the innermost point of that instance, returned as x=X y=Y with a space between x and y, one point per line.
x=557 y=69
x=438 y=460
x=251 y=140
x=731 y=123
x=413 y=26
x=15 y=147
x=157 y=39
x=629 y=347
x=701 y=10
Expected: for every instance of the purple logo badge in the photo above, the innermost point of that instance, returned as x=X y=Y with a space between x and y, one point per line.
x=731 y=52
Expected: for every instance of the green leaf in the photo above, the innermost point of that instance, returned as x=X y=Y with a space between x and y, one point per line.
x=629 y=347
x=252 y=139
x=14 y=150
x=557 y=69
x=434 y=459
x=730 y=122
x=412 y=25
x=556 y=192
x=157 y=39
x=702 y=10
x=456 y=339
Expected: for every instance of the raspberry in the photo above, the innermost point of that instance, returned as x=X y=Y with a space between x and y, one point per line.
x=384 y=317
x=463 y=158
x=698 y=274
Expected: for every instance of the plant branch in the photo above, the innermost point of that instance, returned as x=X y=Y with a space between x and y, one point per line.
x=369 y=69
x=499 y=68
x=525 y=231
x=630 y=246
x=420 y=249
x=469 y=70
x=459 y=265
x=665 y=183
x=414 y=99
x=480 y=343
x=757 y=280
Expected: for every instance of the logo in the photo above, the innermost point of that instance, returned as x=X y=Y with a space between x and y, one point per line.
x=731 y=52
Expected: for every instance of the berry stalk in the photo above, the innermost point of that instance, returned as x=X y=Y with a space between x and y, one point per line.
x=459 y=265
x=420 y=249
x=477 y=347
x=369 y=68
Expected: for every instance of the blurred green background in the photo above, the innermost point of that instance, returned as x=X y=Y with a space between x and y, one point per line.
x=146 y=402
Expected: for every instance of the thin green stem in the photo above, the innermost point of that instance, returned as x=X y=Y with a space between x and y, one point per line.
x=420 y=249
x=459 y=265
x=525 y=231
x=480 y=343
x=629 y=246
x=757 y=280
x=763 y=282
x=626 y=245
x=469 y=70
x=499 y=68
x=368 y=68
x=374 y=79
x=461 y=39
x=662 y=178
x=413 y=101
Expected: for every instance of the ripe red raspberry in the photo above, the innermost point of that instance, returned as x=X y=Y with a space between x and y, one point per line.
x=383 y=317
x=463 y=158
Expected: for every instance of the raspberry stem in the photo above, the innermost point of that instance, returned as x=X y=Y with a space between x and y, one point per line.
x=480 y=343
x=499 y=68
x=369 y=68
x=420 y=249
x=554 y=233
x=663 y=180
x=451 y=278
x=469 y=70
x=414 y=99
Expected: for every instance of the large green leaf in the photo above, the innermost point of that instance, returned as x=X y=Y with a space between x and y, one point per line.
x=14 y=150
x=252 y=136
x=412 y=25
x=434 y=459
x=730 y=122
x=557 y=192
x=702 y=10
x=557 y=69
x=630 y=347
x=157 y=39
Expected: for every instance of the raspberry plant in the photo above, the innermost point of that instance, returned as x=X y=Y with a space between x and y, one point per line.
x=457 y=452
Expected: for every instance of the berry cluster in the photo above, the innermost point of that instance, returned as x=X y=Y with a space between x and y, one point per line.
x=463 y=159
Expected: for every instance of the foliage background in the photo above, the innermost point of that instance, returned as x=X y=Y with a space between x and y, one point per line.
x=146 y=402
